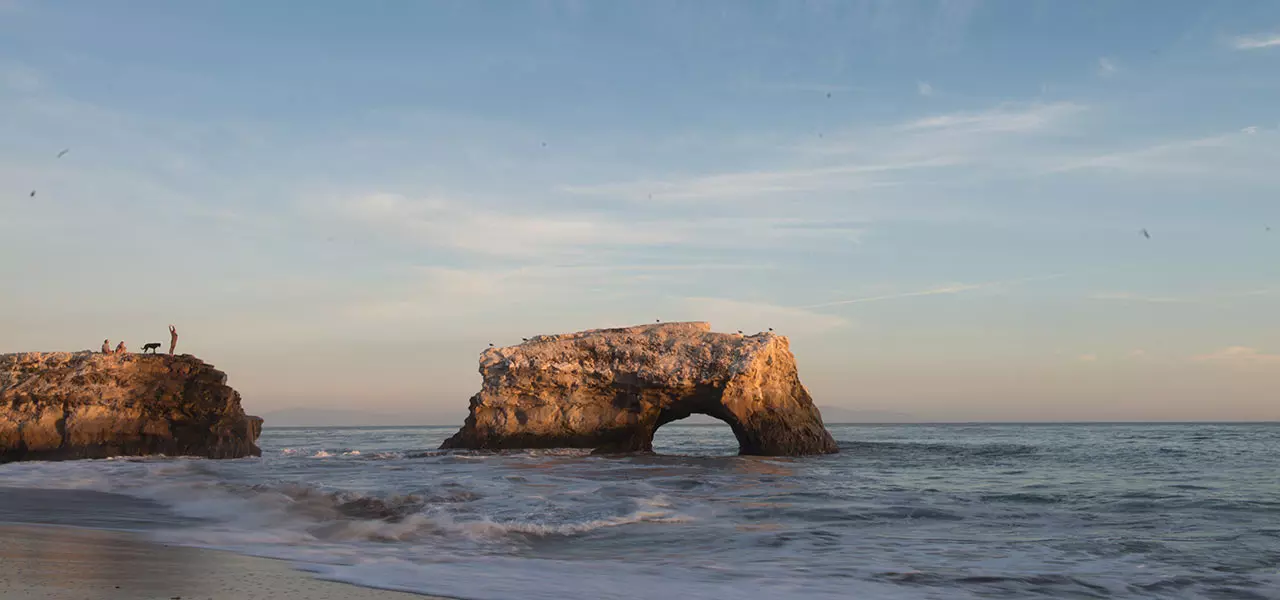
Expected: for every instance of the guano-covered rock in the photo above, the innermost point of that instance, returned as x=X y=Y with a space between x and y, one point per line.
x=63 y=405
x=610 y=389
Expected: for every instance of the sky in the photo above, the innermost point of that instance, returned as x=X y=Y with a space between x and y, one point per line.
x=941 y=204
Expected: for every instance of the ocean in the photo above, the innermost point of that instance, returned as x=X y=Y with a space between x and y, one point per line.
x=904 y=511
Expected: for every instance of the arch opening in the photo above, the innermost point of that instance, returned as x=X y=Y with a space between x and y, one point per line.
x=701 y=427
x=699 y=435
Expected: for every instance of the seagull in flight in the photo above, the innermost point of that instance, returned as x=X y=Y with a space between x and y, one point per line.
x=1145 y=234
x=33 y=193
x=64 y=152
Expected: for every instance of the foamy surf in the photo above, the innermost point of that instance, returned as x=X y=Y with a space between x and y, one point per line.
x=906 y=512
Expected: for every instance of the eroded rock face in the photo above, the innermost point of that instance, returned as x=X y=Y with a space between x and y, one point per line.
x=62 y=405
x=610 y=389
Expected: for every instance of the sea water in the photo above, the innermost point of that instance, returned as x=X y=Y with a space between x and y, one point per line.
x=910 y=511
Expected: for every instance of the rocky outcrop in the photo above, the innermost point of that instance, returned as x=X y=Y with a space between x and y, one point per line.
x=610 y=389
x=61 y=405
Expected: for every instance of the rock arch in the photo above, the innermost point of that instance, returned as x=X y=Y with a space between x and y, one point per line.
x=611 y=389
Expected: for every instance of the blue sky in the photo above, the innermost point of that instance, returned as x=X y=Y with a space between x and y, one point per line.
x=939 y=203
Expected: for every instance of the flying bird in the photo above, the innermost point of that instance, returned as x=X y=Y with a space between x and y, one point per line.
x=64 y=152
x=1145 y=234
x=828 y=94
x=33 y=193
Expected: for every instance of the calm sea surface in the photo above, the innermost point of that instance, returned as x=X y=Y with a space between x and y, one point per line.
x=912 y=511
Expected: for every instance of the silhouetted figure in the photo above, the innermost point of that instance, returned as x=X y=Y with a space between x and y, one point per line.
x=120 y=349
x=1145 y=234
x=106 y=346
x=173 y=339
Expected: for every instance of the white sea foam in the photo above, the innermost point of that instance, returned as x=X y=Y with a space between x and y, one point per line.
x=868 y=523
x=500 y=578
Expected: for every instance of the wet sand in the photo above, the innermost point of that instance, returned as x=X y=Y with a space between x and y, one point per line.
x=64 y=563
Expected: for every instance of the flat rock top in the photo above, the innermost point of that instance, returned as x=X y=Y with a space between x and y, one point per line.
x=88 y=358
x=19 y=363
x=107 y=376
x=666 y=353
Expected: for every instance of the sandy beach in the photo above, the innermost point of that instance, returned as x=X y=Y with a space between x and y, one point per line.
x=39 y=562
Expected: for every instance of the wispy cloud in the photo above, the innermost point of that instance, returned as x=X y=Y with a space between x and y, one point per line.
x=19 y=78
x=1107 y=67
x=1214 y=298
x=1006 y=118
x=1131 y=297
x=496 y=232
x=452 y=224
x=924 y=88
x=801 y=87
x=1250 y=152
x=1241 y=356
x=755 y=183
x=1256 y=42
x=955 y=288
x=867 y=159
x=730 y=315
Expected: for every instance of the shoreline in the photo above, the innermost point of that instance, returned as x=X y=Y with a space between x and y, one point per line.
x=75 y=563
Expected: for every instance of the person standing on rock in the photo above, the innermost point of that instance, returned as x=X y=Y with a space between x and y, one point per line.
x=173 y=339
x=120 y=349
x=106 y=346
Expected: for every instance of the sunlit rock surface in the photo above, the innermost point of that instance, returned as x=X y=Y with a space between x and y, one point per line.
x=610 y=389
x=62 y=405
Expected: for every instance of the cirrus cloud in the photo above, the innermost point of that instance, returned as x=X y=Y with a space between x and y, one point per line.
x=1240 y=356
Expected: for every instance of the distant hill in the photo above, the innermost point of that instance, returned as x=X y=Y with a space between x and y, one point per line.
x=830 y=415
x=335 y=417
x=837 y=414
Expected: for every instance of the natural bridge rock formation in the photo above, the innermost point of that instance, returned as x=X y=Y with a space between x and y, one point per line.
x=610 y=389
x=61 y=405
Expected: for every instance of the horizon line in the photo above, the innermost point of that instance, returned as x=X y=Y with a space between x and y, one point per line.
x=875 y=423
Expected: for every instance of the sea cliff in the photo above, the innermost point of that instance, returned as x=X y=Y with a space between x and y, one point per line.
x=64 y=405
x=610 y=389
